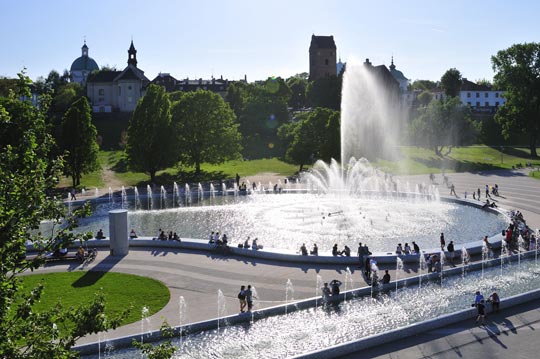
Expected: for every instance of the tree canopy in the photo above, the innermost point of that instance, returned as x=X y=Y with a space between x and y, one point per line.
x=26 y=176
x=451 y=82
x=517 y=71
x=150 y=144
x=78 y=139
x=315 y=136
x=206 y=129
x=442 y=125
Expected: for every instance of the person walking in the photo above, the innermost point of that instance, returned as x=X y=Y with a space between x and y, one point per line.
x=442 y=241
x=249 y=298
x=451 y=250
x=242 y=298
x=453 y=190
x=481 y=312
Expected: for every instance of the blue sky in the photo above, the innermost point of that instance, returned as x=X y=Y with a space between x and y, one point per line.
x=262 y=38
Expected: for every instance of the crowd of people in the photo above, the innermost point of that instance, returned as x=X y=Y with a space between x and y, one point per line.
x=245 y=297
x=161 y=235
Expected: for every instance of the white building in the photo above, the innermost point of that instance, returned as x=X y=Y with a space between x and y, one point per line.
x=480 y=98
x=110 y=91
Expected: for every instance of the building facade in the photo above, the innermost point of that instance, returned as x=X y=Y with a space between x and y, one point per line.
x=322 y=57
x=171 y=84
x=480 y=98
x=109 y=91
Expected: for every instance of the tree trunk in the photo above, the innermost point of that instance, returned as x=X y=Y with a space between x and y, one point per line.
x=74 y=181
x=532 y=145
x=301 y=167
x=152 y=177
x=197 y=168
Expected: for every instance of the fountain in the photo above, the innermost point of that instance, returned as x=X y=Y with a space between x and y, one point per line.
x=318 y=288
x=399 y=268
x=485 y=255
x=176 y=195
x=521 y=246
x=422 y=267
x=163 y=198
x=182 y=316
x=212 y=191
x=221 y=307
x=137 y=199
x=111 y=199
x=465 y=259
x=348 y=282
x=144 y=320
x=200 y=192
x=149 y=197
x=124 y=197
x=96 y=192
x=289 y=294
x=187 y=193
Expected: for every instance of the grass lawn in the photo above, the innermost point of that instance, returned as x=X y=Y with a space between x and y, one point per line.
x=120 y=290
x=409 y=160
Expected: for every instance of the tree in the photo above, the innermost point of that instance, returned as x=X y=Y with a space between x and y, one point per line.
x=78 y=139
x=206 y=129
x=451 y=82
x=325 y=92
x=150 y=145
x=236 y=97
x=26 y=176
x=517 y=71
x=423 y=85
x=314 y=136
x=442 y=125
x=424 y=98
x=298 y=86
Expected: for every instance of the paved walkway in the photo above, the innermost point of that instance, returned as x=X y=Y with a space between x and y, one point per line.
x=197 y=276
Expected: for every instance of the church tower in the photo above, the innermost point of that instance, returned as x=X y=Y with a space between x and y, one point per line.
x=132 y=55
x=322 y=57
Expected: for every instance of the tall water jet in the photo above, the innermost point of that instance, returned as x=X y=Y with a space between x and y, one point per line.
x=182 y=316
x=318 y=289
x=163 y=198
x=124 y=197
x=212 y=190
x=521 y=246
x=465 y=259
x=370 y=113
x=504 y=253
x=221 y=307
x=149 y=197
x=96 y=192
x=110 y=195
x=442 y=258
x=176 y=195
x=137 y=199
x=145 y=312
x=200 y=192
x=289 y=293
x=422 y=266
x=187 y=193
x=399 y=268
x=348 y=282
x=223 y=189
x=485 y=256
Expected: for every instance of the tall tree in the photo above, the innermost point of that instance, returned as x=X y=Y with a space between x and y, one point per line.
x=150 y=144
x=517 y=71
x=423 y=85
x=325 y=92
x=298 y=86
x=451 y=82
x=442 y=125
x=26 y=175
x=206 y=128
x=314 y=136
x=78 y=139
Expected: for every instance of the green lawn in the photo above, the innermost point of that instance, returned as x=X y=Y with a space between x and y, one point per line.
x=409 y=160
x=120 y=290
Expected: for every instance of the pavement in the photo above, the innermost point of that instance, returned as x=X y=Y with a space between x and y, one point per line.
x=197 y=276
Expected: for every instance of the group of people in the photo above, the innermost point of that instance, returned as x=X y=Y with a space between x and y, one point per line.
x=407 y=249
x=171 y=236
x=304 y=251
x=245 y=296
x=218 y=240
x=345 y=252
x=480 y=304
x=330 y=290
x=254 y=244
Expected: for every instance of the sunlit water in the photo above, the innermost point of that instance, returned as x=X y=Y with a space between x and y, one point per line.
x=306 y=330
x=288 y=220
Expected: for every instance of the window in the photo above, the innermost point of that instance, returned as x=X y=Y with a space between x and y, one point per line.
x=497 y=104
x=129 y=87
x=119 y=91
x=468 y=94
x=496 y=94
x=477 y=94
x=485 y=94
x=326 y=62
x=130 y=99
x=478 y=104
x=101 y=99
x=101 y=92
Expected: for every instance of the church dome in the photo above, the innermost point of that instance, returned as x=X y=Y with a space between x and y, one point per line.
x=84 y=62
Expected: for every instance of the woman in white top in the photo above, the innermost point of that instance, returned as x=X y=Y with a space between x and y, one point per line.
x=399 y=249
